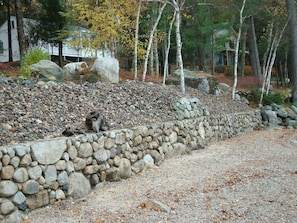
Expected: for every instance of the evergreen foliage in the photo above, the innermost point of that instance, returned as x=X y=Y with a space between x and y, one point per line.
x=268 y=99
x=50 y=21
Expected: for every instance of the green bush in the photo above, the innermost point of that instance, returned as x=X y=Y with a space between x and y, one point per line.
x=272 y=97
x=32 y=57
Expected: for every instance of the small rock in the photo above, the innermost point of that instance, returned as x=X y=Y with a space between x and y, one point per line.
x=6 y=207
x=157 y=206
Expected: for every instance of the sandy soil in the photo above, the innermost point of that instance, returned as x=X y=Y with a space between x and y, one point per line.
x=251 y=178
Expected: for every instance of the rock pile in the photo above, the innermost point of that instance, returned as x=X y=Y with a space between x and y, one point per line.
x=31 y=111
x=276 y=115
x=207 y=84
x=190 y=108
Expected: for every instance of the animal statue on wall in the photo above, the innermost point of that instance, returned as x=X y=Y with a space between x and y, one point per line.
x=96 y=122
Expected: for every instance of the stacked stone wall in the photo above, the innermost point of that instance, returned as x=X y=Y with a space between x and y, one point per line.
x=35 y=174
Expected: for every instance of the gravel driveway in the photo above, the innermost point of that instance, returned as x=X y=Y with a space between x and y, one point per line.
x=251 y=178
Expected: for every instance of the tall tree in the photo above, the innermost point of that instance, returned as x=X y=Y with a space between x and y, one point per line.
x=167 y=48
x=151 y=38
x=241 y=20
x=111 y=23
x=7 y=4
x=51 y=23
x=291 y=8
x=268 y=63
x=20 y=27
x=136 y=40
x=253 y=48
x=178 y=7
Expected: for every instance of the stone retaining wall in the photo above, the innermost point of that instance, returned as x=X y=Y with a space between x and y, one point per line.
x=36 y=174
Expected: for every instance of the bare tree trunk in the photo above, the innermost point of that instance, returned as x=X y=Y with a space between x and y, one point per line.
x=166 y=70
x=270 y=61
x=265 y=57
x=60 y=54
x=286 y=69
x=136 y=41
x=237 y=49
x=151 y=40
x=291 y=8
x=242 y=60
x=151 y=71
x=254 y=54
x=157 y=64
x=178 y=7
x=20 y=28
x=213 y=66
x=10 y=56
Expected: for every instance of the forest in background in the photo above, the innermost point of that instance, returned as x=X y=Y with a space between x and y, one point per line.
x=159 y=36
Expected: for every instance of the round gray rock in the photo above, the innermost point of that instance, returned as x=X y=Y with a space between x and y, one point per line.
x=78 y=185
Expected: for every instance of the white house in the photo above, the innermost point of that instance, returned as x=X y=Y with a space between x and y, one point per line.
x=68 y=51
x=4 y=41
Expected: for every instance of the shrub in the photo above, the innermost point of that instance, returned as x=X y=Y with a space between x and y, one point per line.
x=229 y=71
x=248 y=70
x=32 y=57
x=272 y=97
x=220 y=69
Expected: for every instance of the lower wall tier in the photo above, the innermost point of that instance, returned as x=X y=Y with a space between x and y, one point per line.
x=36 y=174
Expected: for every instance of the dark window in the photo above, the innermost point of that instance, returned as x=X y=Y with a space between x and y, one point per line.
x=12 y=24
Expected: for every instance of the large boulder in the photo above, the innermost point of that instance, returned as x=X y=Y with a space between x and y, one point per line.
x=205 y=83
x=48 y=152
x=72 y=71
x=105 y=69
x=78 y=185
x=47 y=69
x=276 y=115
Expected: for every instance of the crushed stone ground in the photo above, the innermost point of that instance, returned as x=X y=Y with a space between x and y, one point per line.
x=250 y=178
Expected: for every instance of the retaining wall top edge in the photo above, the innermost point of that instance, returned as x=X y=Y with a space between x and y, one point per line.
x=30 y=143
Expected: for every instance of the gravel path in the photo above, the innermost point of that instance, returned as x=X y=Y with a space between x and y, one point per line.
x=44 y=110
x=251 y=178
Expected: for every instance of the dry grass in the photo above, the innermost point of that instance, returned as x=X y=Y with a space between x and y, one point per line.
x=244 y=83
x=126 y=75
x=10 y=69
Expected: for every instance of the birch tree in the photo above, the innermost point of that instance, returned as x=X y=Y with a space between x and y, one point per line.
x=166 y=69
x=276 y=28
x=178 y=6
x=151 y=38
x=270 y=59
x=136 y=40
x=241 y=20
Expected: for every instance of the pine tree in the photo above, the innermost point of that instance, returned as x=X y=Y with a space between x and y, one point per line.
x=51 y=23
